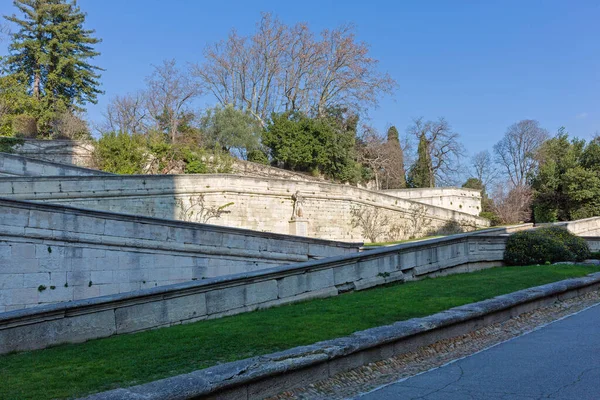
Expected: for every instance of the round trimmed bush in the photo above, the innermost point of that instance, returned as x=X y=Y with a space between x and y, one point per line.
x=540 y=246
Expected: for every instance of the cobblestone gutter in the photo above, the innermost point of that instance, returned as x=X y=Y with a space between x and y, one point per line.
x=270 y=375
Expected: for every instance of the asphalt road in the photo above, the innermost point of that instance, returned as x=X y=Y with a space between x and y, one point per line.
x=558 y=361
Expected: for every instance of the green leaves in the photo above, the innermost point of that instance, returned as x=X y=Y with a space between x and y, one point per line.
x=545 y=245
x=230 y=129
x=420 y=174
x=567 y=182
x=50 y=54
x=319 y=145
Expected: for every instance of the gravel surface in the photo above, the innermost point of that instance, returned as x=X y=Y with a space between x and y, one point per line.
x=368 y=377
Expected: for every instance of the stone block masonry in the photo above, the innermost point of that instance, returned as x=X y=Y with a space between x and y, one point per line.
x=53 y=253
x=82 y=320
x=252 y=203
x=457 y=199
x=12 y=165
x=73 y=152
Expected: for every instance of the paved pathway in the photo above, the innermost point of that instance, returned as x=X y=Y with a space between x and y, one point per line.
x=558 y=361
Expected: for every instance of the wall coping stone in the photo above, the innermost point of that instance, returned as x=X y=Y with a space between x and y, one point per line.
x=212 y=380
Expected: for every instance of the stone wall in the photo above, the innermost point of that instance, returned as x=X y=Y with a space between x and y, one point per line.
x=583 y=227
x=458 y=199
x=77 y=321
x=74 y=152
x=54 y=253
x=327 y=210
x=15 y=165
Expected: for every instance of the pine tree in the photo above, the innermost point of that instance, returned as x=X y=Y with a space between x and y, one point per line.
x=51 y=54
x=397 y=175
x=421 y=173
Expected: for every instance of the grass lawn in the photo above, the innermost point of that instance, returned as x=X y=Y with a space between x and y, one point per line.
x=73 y=370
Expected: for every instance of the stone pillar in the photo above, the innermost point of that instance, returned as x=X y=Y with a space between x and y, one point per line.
x=299 y=227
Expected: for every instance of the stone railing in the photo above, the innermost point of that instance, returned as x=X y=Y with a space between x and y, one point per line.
x=82 y=320
x=55 y=253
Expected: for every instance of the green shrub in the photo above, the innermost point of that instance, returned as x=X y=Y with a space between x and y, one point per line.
x=493 y=217
x=574 y=243
x=195 y=167
x=121 y=153
x=7 y=144
x=258 y=156
x=595 y=255
x=543 y=245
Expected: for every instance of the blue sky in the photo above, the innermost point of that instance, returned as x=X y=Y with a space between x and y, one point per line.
x=482 y=65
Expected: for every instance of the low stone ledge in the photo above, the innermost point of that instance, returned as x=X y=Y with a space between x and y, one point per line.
x=225 y=295
x=245 y=374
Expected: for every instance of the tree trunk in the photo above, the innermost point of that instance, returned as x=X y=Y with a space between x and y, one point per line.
x=36 y=85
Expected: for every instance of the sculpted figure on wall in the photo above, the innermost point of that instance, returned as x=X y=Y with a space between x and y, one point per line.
x=298 y=212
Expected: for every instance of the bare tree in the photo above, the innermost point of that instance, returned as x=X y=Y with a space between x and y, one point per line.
x=483 y=168
x=512 y=205
x=516 y=151
x=417 y=222
x=244 y=71
x=347 y=76
x=284 y=68
x=443 y=145
x=371 y=220
x=371 y=152
x=383 y=157
x=169 y=94
x=70 y=125
x=127 y=114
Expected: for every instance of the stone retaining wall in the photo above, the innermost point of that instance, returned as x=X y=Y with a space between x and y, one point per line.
x=74 y=152
x=583 y=227
x=452 y=198
x=82 y=320
x=54 y=253
x=328 y=210
x=13 y=165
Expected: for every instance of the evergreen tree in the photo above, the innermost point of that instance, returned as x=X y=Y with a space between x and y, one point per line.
x=51 y=54
x=393 y=135
x=397 y=174
x=421 y=173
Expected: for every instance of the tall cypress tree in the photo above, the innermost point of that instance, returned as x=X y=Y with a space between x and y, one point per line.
x=51 y=54
x=421 y=173
x=397 y=175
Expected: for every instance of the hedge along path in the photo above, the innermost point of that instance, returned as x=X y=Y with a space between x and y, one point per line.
x=74 y=370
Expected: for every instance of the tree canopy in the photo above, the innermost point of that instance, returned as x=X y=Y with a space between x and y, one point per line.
x=318 y=145
x=566 y=183
x=50 y=56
